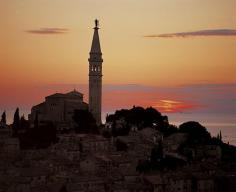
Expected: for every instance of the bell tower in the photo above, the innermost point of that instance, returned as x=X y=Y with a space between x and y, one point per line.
x=95 y=76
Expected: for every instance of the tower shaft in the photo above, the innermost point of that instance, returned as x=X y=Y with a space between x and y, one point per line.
x=95 y=76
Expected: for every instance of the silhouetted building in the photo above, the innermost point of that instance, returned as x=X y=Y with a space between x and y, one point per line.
x=59 y=109
x=95 y=76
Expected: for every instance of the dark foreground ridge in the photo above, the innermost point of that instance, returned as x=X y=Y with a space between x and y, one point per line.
x=135 y=150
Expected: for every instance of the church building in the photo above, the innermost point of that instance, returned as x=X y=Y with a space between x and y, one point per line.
x=59 y=108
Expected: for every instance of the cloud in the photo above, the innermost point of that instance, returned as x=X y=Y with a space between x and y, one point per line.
x=48 y=31
x=168 y=106
x=202 y=33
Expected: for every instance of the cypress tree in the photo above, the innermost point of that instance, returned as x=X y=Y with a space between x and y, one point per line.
x=16 y=123
x=4 y=119
x=220 y=136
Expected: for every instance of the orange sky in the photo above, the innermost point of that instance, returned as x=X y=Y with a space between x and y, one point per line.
x=129 y=57
x=30 y=58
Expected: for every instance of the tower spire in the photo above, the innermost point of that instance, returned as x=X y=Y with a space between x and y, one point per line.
x=96 y=48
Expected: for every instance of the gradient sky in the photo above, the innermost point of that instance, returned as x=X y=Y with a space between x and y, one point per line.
x=154 y=43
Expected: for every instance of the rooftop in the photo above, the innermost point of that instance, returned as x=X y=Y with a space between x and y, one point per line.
x=73 y=93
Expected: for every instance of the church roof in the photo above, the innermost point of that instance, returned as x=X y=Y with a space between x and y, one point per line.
x=39 y=105
x=74 y=93
x=56 y=95
x=71 y=93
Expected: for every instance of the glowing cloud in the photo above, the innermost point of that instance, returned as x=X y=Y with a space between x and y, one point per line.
x=211 y=32
x=48 y=31
x=172 y=106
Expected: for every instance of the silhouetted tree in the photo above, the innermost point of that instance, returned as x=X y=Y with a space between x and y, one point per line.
x=39 y=138
x=4 y=119
x=24 y=124
x=220 y=136
x=85 y=122
x=170 y=130
x=152 y=116
x=216 y=141
x=138 y=117
x=121 y=146
x=197 y=133
x=16 y=123
x=228 y=152
x=36 y=120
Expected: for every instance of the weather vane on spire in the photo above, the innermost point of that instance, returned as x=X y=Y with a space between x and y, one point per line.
x=96 y=23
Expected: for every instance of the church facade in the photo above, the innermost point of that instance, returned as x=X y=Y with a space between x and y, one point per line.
x=59 y=108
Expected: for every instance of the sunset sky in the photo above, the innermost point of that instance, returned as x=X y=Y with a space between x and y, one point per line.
x=175 y=55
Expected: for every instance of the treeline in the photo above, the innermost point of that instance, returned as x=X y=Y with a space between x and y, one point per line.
x=85 y=122
x=42 y=134
x=31 y=137
x=38 y=137
x=19 y=123
x=122 y=121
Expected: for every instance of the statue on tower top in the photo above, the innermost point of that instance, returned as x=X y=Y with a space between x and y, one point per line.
x=96 y=23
